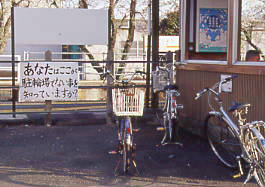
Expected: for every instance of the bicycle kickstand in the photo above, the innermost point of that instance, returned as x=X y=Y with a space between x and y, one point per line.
x=117 y=166
x=176 y=143
x=119 y=161
x=240 y=167
x=133 y=158
x=164 y=142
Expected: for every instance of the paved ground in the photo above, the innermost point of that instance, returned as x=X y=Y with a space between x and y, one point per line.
x=77 y=156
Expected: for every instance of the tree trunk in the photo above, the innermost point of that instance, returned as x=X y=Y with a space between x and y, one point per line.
x=248 y=35
x=130 y=37
x=111 y=44
x=4 y=33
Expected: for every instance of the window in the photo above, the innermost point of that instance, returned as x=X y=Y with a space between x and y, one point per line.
x=252 y=31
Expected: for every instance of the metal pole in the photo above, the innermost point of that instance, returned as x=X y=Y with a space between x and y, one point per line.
x=148 y=55
x=109 y=66
x=155 y=32
x=155 y=44
x=13 y=63
x=48 y=103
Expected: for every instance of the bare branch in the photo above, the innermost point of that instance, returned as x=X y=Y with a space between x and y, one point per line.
x=247 y=35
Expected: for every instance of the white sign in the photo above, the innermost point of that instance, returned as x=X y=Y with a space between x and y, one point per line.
x=61 y=26
x=40 y=81
x=226 y=87
x=166 y=43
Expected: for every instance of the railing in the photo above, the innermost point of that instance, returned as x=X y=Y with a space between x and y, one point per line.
x=87 y=69
x=92 y=93
x=89 y=77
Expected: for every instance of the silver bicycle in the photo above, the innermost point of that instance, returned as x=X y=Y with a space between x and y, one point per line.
x=127 y=102
x=167 y=110
x=237 y=145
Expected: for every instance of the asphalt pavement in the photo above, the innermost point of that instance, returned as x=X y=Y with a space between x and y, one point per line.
x=73 y=152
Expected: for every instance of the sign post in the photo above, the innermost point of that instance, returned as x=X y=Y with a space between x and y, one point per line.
x=48 y=103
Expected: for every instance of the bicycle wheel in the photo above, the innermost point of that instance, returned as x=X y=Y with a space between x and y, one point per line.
x=175 y=130
x=126 y=160
x=255 y=147
x=127 y=141
x=125 y=153
x=260 y=168
x=172 y=128
x=161 y=108
x=222 y=140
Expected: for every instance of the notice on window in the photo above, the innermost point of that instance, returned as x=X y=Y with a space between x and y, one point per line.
x=212 y=30
x=40 y=81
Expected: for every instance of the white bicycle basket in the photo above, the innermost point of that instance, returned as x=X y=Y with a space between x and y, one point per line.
x=160 y=80
x=128 y=101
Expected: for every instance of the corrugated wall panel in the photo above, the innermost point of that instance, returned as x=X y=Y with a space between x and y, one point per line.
x=245 y=89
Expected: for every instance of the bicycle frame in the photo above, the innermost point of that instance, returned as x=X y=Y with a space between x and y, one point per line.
x=230 y=121
x=125 y=125
x=171 y=104
x=221 y=112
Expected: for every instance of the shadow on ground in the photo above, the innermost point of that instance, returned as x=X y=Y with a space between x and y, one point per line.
x=77 y=155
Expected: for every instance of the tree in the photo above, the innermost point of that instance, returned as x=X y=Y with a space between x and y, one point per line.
x=117 y=8
x=5 y=20
x=253 y=15
x=167 y=6
x=170 y=25
x=130 y=38
x=86 y=4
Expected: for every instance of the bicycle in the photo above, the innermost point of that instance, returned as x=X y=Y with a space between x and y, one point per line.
x=127 y=102
x=240 y=145
x=168 y=114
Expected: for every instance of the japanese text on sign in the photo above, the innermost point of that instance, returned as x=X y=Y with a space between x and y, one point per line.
x=40 y=81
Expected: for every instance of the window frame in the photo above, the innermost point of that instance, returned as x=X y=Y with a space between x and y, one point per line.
x=232 y=64
x=236 y=38
x=183 y=37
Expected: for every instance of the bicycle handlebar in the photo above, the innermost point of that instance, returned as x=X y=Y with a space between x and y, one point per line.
x=167 y=68
x=140 y=72
x=107 y=73
x=230 y=78
x=255 y=122
x=199 y=94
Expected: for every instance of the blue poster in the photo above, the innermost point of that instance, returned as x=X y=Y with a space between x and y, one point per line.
x=213 y=30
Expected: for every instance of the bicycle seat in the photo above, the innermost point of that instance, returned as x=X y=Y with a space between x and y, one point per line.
x=171 y=87
x=237 y=106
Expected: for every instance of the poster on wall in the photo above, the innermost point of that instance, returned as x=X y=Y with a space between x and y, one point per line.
x=212 y=30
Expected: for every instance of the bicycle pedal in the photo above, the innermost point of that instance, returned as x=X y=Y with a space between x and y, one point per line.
x=134 y=163
x=237 y=175
x=179 y=106
x=136 y=130
x=160 y=128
